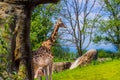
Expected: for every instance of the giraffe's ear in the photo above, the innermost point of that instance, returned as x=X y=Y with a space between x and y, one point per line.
x=61 y=23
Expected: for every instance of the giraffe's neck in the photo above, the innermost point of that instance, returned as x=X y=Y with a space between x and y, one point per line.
x=54 y=33
x=50 y=41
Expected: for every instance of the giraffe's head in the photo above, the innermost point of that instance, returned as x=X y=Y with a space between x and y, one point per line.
x=60 y=23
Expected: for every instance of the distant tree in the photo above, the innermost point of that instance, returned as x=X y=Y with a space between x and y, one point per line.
x=80 y=21
x=108 y=28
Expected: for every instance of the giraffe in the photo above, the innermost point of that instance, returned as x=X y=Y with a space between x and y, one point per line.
x=43 y=57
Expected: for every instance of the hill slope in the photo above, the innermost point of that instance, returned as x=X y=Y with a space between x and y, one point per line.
x=109 y=70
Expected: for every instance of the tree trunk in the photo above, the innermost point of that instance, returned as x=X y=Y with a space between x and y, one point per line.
x=22 y=49
x=20 y=44
x=79 y=51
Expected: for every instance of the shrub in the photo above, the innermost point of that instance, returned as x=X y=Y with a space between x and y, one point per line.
x=105 y=54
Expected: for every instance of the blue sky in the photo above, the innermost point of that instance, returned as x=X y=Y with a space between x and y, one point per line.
x=107 y=47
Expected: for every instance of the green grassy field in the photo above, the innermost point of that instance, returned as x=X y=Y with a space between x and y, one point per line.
x=109 y=70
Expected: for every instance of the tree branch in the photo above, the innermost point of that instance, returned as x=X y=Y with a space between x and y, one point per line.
x=37 y=2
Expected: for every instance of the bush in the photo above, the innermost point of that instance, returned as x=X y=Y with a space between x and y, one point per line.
x=105 y=54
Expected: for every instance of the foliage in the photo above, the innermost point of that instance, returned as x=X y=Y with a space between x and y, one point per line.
x=41 y=23
x=5 y=35
x=101 y=71
x=108 y=29
x=108 y=54
x=117 y=55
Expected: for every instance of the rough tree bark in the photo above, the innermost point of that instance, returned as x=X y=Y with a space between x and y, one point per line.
x=21 y=10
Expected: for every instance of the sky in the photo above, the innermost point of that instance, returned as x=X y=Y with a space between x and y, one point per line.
x=107 y=47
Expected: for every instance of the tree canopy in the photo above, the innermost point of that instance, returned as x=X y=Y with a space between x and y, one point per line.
x=108 y=29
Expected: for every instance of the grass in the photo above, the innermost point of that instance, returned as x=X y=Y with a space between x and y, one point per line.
x=109 y=70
